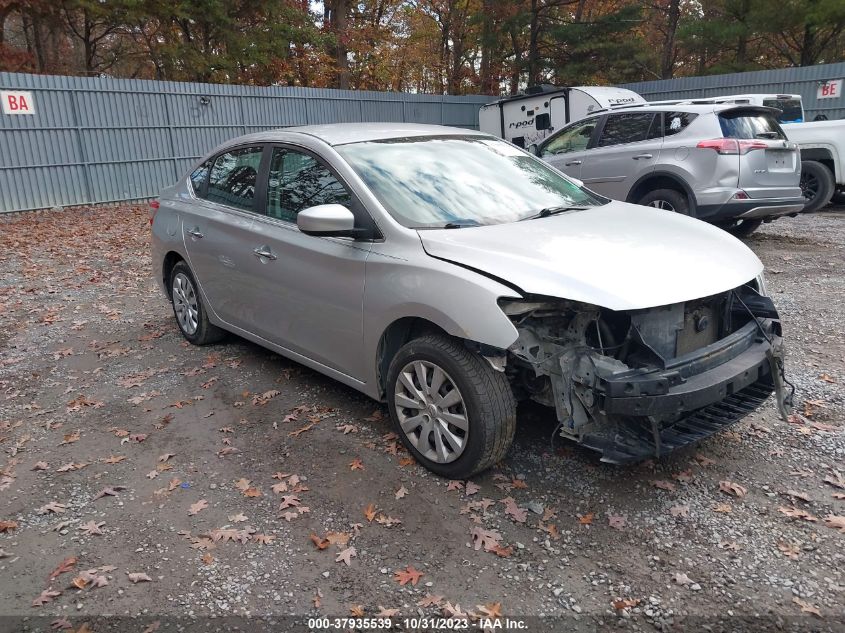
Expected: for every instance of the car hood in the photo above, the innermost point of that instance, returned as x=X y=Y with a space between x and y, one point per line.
x=619 y=256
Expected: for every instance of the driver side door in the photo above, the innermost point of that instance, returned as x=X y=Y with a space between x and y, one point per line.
x=566 y=150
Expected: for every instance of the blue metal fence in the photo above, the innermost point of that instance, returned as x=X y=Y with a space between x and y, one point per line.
x=803 y=80
x=95 y=140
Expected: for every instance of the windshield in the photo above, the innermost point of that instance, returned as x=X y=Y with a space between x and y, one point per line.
x=429 y=182
x=791 y=111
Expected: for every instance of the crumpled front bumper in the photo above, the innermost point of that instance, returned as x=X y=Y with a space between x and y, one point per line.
x=699 y=394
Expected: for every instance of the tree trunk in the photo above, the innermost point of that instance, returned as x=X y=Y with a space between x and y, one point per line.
x=808 y=54
x=533 y=45
x=667 y=61
x=336 y=15
x=488 y=38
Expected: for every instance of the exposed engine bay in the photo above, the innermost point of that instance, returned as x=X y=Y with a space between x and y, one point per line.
x=641 y=383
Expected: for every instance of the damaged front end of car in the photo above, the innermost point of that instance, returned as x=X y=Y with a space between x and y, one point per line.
x=641 y=383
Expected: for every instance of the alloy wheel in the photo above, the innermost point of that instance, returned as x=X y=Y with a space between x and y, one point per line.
x=185 y=303
x=431 y=411
x=809 y=186
x=661 y=204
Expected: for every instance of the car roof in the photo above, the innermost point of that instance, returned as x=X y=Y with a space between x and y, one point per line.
x=680 y=106
x=343 y=133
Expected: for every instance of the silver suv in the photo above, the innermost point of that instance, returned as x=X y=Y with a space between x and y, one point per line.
x=726 y=164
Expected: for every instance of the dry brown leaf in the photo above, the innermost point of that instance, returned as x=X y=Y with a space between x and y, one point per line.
x=357 y=610
x=806 y=607
x=430 y=601
x=45 y=596
x=346 y=556
x=408 y=575
x=52 y=507
x=197 y=507
x=289 y=501
x=616 y=522
x=320 y=543
x=663 y=485
x=356 y=464
x=471 y=488
x=402 y=492
x=733 y=489
x=490 y=610
x=92 y=527
x=240 y=517
x=625 y=603
x=586 y=519
x=136 y=577
x=835 y=522
x=65 y=566
x=370 y=512
x=790 y=550
x=386 y=613
x=8 y=526
x=482 y=538
x=797 y=513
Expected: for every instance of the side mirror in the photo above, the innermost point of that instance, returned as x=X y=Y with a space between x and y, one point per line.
x=327 y=220
x=534 y=149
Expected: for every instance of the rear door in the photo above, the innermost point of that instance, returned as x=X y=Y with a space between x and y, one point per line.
x=769 y=164
x=216 y=229
x=566 y=149
x=627 y=148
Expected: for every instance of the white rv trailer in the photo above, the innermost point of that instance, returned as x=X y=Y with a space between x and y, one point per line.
x=528 y=118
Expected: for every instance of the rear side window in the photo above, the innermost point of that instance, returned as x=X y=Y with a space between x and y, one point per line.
x=199 y=178
x=750 y=125
x=675 y=122
x=233 y=178
x=626 y=128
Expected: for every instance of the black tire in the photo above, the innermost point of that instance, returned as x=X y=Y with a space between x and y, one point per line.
x=488 y=403
x=667 y=199
x=816 y=184
x=743 y=228
x=838 y=197
x=205 y=332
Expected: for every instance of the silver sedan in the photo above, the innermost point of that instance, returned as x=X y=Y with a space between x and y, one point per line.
x=452 y=274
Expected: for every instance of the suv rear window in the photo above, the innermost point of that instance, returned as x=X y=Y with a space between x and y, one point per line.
x=750 y=125
x=790 y=109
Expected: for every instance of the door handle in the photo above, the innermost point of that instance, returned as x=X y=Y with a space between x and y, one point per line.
x=573 y=162
x=264 y=253
x=195 y=232
x=639 y=156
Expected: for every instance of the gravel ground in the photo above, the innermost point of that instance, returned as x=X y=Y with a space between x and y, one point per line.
x=235 y=481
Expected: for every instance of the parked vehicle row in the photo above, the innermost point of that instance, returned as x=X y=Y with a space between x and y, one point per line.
x=452 y=274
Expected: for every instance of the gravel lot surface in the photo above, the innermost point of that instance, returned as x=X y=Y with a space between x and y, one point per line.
x=235 y=481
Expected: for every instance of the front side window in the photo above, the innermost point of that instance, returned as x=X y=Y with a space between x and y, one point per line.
x=626 y=128
x=298 y=181
x=574 y=139
x=233 y=178
x=434 y=181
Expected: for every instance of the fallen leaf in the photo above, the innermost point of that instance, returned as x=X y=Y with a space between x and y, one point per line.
x=797 y=513
x=430 y=601
x=346 y=556
x=264 y=539
x=402 y=492
x=54 y=507
x=408 y=575
x=320 y=543
x=471 y=488
x=490 y=610
x=482 y=538
x=70 y=438
x=454 y=611
x=114 y=459
x=356 y=464
x=455 y=485
x=513 y=510
x=166 y=456
x=835 y=522
x=790 y=550
x=237 y=518
x=836 y=479
x=136 y=577
x=338 y=539
x=587 y=519
x=347 y=428
x=679 y=511
x=40 y=466
x=664 y=485
x=45 y=596
x=724 y=508
x=806 y=607
x=92 y=527
x=681 y=578
x=197 y=507
x=8 y=526
x=289 y=501
x=625 y=603
x=65 y=566
x=207 y=559
x=386 y=613
x=733 y=489
x=616 y=522
x=370 y=512
x=357 y=610
x=110 y=491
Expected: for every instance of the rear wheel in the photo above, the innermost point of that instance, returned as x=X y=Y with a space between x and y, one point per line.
x=454 y=412
x=188 y=308
x=743 y=228
x=666 y=199
x=816 y=184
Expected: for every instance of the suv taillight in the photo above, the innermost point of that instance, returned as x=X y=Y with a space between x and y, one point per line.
x=154 y=205
x=731 y=145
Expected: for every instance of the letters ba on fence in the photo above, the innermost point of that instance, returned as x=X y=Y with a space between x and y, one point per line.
x=17 y=102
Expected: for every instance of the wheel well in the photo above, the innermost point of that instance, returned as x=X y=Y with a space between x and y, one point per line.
x=819 y=155
x=170 y=260
x=653 y=183
x=395 y=336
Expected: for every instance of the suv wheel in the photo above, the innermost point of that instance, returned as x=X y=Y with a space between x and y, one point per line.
x=188 y=308
x=666 y=199
x=816 y=184
x=454 y=412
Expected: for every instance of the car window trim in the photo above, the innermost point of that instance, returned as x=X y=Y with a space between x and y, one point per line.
x=261 y=177
x=359 y=209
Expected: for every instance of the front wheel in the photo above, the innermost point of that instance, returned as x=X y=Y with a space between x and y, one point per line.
x=454 y=412
x=666 y=199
